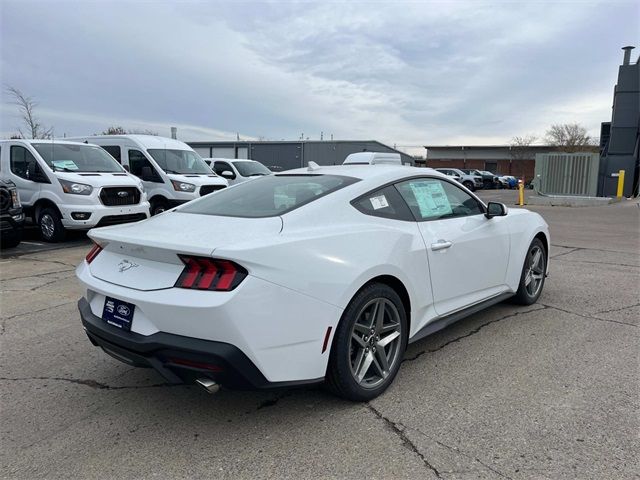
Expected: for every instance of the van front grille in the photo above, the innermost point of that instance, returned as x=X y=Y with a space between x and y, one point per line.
x=116 y=196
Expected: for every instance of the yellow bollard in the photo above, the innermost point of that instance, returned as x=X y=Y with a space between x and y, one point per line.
x=520 y=192
x=620 y=183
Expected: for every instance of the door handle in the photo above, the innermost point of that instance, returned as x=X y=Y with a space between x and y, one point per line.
x=440 y=245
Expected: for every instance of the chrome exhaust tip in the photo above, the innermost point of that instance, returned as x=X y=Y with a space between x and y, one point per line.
x=209 y=385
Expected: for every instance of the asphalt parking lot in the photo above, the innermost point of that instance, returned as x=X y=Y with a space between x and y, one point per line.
x=548 y=391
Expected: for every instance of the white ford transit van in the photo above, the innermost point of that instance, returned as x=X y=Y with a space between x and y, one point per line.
x=171 y=172
x=69 y=185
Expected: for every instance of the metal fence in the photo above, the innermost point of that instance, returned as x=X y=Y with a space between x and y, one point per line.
x=567 y=174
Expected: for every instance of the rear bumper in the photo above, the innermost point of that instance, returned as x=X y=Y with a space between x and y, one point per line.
x=177 y=358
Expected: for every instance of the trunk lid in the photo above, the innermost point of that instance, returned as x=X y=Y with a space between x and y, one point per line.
x=144 y=255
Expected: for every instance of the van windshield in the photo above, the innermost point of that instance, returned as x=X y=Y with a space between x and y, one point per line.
x=65 y=157
x=248 y=169
x=180 y=161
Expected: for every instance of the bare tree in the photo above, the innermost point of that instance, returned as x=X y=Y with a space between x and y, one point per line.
x=27 y=106
x=118 y=130
x=569 y=137
x=520 y=150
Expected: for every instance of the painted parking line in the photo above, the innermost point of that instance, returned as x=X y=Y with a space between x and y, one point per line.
x=34 y=243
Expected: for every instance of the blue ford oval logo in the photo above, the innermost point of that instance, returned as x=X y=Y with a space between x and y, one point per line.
x=124 y=310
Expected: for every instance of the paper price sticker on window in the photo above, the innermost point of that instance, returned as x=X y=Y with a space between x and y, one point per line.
x=379 y=202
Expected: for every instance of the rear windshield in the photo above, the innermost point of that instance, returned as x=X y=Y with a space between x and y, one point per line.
x=268 y=196
x=76 y=158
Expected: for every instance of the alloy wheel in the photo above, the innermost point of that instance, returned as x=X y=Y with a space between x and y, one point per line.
x=376 y=339
x=47 y=225
x=534 y=273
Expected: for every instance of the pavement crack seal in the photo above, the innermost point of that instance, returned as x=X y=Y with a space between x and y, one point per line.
x=4 y=320
x=617 y=309
x=89 y=383
x=573 y=249
x=38 y=275
x=460 y=452
x=582 y=315
x=472 y=332
x=399 y=431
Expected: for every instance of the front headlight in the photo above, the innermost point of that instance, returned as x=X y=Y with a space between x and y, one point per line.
x=183 y=186
x=75 y=188
x=15 y=198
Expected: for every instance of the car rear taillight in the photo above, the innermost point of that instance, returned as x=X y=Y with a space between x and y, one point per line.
x=203 y=273
x=93 y=253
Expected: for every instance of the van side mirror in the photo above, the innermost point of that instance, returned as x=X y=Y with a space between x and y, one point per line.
x=496 y=209
x=35 y=174
x=148 y=175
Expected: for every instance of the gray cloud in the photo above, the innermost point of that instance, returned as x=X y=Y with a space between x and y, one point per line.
x=401 y=72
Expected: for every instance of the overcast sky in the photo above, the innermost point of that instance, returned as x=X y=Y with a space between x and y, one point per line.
x=405 y=73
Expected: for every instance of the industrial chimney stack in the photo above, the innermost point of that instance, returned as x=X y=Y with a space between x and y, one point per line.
x=174 y=131
x=627 y=54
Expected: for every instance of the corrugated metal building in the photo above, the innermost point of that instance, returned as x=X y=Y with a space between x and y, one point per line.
x=500 y=159
x=286 y=155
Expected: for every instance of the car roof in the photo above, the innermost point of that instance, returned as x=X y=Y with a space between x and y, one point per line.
x=383 y=173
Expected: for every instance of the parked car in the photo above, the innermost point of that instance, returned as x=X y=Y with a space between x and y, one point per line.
x=240 y=290
x=237 y=171
x=11 y=215
x=450 y=173
x=171 y=172
x=489 y=180
x=508 y=181
x=69 y=185
x=469 y=180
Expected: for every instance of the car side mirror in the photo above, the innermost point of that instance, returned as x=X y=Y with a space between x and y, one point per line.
x=227 y=174
x=496 y=209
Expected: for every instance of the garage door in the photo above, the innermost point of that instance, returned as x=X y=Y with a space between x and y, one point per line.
x=202 y=151
x=223 y=152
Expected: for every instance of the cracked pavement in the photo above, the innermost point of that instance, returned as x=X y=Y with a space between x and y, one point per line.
x=548 y=391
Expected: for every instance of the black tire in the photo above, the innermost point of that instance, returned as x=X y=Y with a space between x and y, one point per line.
x=50 y=224
x=469 y=185
x=524 y=295
x=11 y=240
x=158 y=206
x=341 y=378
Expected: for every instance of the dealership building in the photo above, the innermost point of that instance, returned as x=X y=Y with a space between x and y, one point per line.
x=285 y=155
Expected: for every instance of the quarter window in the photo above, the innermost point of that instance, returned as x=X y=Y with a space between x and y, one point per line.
x=433 y=199
x=386 y=203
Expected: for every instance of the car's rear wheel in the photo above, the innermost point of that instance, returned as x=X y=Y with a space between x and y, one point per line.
x=533 y=274
x=369 y=344
x=469 y=185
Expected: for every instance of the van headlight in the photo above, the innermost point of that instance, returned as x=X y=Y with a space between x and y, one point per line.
x=75 y=188
x=183 y=186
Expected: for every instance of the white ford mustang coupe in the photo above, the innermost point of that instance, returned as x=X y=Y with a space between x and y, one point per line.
x=313 y=275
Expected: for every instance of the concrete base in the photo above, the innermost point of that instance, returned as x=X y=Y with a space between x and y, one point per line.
x=567 y=201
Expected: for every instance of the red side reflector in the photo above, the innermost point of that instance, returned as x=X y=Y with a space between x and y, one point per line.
x=93 y=253
x=326 y=340
x=204 y=273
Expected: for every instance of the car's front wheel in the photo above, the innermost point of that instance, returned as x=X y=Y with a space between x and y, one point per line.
x=369 y=344
x=469 y=185
x=533 y=274
x=50 y=224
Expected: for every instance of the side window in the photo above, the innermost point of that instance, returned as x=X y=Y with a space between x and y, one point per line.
x=20 y=160
x=386 y=203
x=114 y=151
x=433 y=199
x=220 y=167
x=137 y=161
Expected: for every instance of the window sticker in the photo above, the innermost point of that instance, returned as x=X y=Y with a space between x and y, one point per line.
x=68 y=164
x=379 y=202
x=432 y=199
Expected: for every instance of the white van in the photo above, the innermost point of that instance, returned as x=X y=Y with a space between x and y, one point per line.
x=171 y=172
x=69 y=185
x=237 y=171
